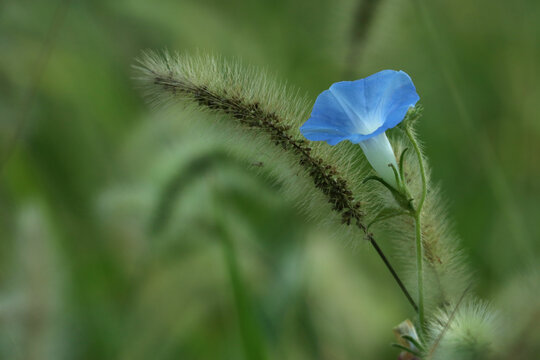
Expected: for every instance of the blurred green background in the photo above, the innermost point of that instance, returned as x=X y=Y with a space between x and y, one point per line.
x=128 y=234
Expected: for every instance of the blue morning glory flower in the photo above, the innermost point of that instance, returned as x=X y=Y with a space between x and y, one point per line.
x=361 y=111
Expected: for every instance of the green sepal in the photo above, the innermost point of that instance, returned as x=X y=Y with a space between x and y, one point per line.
x=392 y=189
x=401 y=165
x=413 y=341
x=396 y=175
x=379 y=179
x=404 y=188
x=404 y=348
x=402 y=199
x=385 y=214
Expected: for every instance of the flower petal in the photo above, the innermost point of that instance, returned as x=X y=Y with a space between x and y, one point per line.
x=358 y=110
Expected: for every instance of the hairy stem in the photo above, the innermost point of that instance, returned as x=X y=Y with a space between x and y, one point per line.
x=418 y=227
x=419 y=268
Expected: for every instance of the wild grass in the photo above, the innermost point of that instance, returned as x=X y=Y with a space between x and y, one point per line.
x=328 y=182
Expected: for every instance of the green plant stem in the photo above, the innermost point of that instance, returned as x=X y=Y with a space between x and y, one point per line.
x=393 y=272
x=418 y=227
x=419 y=268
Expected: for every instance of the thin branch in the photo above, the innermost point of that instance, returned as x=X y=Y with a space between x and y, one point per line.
x=393 y=272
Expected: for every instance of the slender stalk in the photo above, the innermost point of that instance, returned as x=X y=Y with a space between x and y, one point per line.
x=393 y=272
x=418 y=227
x=422 y=170
x=419 y=267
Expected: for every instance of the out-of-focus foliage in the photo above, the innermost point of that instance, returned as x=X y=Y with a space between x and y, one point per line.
x=129 y=234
